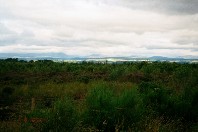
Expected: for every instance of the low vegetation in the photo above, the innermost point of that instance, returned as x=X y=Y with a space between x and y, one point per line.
x=48 y=96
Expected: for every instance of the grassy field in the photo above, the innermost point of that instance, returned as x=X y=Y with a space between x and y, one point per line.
x=49 y=96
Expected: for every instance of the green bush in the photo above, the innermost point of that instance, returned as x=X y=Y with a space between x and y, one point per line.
x=35 y=120
x=157 y=98
x=64 y=116
x=187 y=105
x=108 y=112
x=99 y=107
x=116 y=73
x=129 y=109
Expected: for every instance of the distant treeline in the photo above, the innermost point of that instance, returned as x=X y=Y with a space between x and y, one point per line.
x=163 y=72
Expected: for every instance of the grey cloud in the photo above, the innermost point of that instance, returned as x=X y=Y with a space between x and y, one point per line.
x=5 y=30
x=187 y=40
x=8 y=40
x=159 y=47
x=100 y=28
x=165 y=6
x=186 y=37
x=194 y=50
x=27 y=33
x=7 y=36
x=85 y=41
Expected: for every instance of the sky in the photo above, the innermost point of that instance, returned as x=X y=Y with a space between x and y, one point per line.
x=100 y=27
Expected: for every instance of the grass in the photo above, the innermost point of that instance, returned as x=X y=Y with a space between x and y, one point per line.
x=106 y=106
x=95 y=97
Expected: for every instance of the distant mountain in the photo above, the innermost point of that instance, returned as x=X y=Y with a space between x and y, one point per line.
x=59 y=56
x=174 y=58
x=189 y=57
x=94 y=56
x=33 y=55
x=159 y=58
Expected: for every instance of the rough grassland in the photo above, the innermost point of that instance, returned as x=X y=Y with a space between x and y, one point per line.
x=49 y=96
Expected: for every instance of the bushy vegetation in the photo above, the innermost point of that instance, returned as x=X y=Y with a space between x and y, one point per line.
x=48 y=96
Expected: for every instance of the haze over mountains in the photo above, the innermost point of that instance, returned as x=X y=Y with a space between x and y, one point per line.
x=95 y=57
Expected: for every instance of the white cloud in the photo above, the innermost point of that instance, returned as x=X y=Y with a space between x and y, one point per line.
x=107 y=27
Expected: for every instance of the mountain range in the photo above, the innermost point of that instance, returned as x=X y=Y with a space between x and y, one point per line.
x=63 y=56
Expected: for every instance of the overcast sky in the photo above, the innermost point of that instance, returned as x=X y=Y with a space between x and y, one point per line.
x=103 y=27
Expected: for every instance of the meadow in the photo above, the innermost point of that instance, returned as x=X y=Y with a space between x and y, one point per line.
x=141 y=96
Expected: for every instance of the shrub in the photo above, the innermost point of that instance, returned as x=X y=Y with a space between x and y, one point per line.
x=129 y=109
x=109 y=113
x=34 y=121
x=99 y=107
x=117 y=73
x=157 y=98
x=187 y=105
x=64 y=117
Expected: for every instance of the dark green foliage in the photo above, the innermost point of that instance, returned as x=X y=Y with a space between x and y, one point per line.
x=117 y=73
x=106 y=111
x=153 y=95
x=84 y=79
x=187 y=106
x=6 y=96
x=63 y=117
x=7 y=91
x=100 y=106
x=128 y=108
x=138 y=96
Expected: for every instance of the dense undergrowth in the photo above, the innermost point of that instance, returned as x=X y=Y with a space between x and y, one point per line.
x=49 y=96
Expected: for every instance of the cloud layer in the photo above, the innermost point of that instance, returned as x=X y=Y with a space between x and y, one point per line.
x=105 y=27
